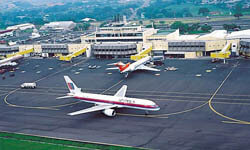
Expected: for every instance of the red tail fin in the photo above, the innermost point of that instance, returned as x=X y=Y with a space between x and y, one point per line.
x=123 y=67
x=118 y=64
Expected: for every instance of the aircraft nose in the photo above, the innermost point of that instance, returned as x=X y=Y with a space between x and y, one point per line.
x=156 y=106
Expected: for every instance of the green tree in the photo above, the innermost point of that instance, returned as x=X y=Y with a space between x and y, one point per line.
x=204 y=11
x=196 y=1
x=1 y=21
x=230 y=27
x=82 y=26
x=141 y=22
x=194 y=27
x=162 y=22
x=38 y=21
x=186 y=12
x=86 y=26
x=150 y=25
x=206 y=28
x=238 y=11
x=179 y=25
x=179 y=1
x=103 y=24
x=238 y=15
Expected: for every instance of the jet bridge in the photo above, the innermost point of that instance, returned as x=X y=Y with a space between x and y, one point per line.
x=75 y=54
x=142 y=54
x=223 y=54
x=21 y=53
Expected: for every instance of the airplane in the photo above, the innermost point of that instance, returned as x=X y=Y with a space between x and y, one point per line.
x=9 y=61
x=8 y=64
x=107 y=103
x=138 y=65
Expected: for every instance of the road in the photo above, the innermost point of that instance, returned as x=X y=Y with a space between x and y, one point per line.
x=134 y=11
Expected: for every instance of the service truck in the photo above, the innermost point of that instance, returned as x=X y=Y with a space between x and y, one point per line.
x=28 y=85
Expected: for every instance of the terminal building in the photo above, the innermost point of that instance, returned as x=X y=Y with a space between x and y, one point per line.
x=6 y=50
x=53 y=50
x=119 y=50
x=193 y=48
x=245 y=47
x=134 y=34
x=105 y=42
x=243 y=41
x=190 y=46
x=120 y=42
x=46 y=50
x=117 y=42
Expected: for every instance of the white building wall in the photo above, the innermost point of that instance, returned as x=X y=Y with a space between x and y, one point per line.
x=21 y=27
x=75 y=47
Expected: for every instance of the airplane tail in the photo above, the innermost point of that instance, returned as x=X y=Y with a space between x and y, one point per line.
x=119 y=65
x=116 y=64
x=122 y=68
x=71 y=85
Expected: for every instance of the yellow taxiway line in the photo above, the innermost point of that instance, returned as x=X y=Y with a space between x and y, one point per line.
x=232 y=120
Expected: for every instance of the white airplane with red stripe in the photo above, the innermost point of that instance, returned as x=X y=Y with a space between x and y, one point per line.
x=107 y=103
x=138 y=65
x=10 y=61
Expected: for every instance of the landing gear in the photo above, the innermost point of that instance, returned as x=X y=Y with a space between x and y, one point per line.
x=215 y=60
x=126 y=75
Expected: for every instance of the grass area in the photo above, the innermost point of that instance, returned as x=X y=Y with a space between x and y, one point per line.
x=192 y=20
x=13 y=141
x=194 y=9
x=14 y=144
x=246 y=13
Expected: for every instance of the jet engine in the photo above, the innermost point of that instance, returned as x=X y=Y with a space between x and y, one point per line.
x=109 y=112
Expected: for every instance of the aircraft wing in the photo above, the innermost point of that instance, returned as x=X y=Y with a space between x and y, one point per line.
x=8 y=64
x=143 y=67
x=122 y=91
x=67 y=96
x=92 y=109
x=114 y=68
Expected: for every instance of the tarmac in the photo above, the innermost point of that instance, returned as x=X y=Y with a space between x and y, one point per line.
x=204 y=105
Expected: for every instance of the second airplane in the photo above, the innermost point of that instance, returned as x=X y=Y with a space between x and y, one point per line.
x=130 y=67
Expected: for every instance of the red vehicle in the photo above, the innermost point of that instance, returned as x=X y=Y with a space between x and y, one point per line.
x=2 y=71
